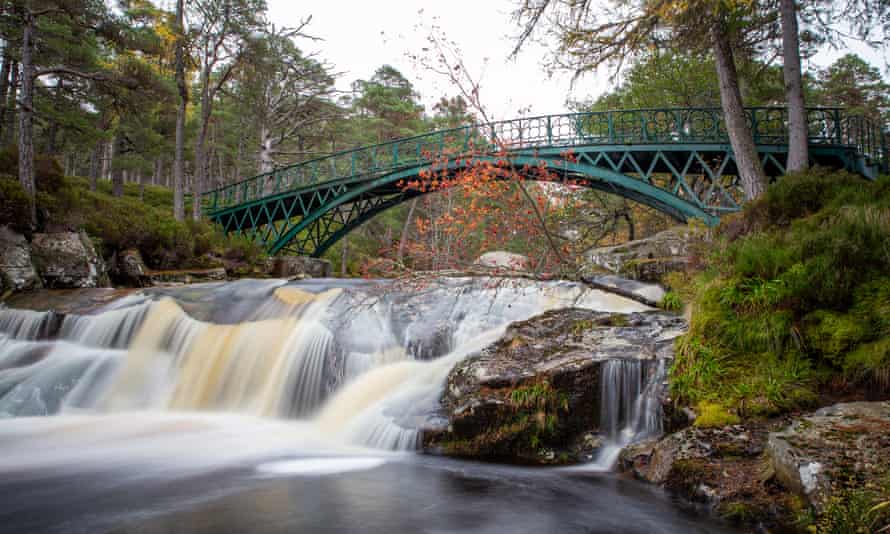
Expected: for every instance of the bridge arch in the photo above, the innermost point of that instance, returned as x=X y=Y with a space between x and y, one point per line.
x=588 y=175
x=677 y=161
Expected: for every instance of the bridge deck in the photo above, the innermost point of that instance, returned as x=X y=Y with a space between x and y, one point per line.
x=676 y=160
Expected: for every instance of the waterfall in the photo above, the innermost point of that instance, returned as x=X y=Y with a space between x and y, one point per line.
x=630 y=404
x=360 y=362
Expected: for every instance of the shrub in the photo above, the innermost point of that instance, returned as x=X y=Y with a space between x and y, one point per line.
x=48 y=174
x=15 y=209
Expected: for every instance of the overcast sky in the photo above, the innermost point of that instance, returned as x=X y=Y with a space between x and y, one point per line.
x=361 y=35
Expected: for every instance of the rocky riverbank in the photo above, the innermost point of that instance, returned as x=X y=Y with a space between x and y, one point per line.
x=69 y=260
x=536 y=396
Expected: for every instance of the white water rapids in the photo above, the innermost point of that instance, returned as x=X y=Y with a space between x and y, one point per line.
x=209 y=374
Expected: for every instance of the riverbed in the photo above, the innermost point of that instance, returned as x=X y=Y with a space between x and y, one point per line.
x=274 y=406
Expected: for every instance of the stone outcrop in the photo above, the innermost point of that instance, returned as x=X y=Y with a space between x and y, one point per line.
x=187 y=276
x=300 y=267
x=530 y=397
x=502 y=260
x=17 y=272
x=68 y=260
x=646 y=259
x=129 y=269
x=848 y=441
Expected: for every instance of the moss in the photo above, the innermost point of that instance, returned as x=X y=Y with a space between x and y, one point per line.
x=793 y=294
x=579 y=327
x=714 y=415
x=833 y=334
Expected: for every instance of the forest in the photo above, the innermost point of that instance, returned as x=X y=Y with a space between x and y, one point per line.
x=200 y=94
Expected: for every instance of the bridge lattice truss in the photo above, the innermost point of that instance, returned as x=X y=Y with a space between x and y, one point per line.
x=678 y=161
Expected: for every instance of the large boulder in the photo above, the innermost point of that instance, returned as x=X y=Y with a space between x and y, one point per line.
x=500 y=259
x=17 y=272
x=646 y=259
x=128 y=268
x=535 y=394
x=68 y=260
x=822 y=452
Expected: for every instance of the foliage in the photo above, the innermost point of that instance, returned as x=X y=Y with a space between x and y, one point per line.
x=861 y=508
x=128 y=222
x=14 y=204
x=47 y=172
x=793 y=292
x=671 y=302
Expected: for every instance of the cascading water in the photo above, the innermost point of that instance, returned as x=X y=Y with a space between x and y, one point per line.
x=630 y=398
x=251 y=406
x=361 y=362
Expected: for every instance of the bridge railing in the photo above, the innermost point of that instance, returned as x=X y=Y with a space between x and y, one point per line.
x=826 y=126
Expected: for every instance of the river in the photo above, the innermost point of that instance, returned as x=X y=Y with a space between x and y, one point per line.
x=274 y=406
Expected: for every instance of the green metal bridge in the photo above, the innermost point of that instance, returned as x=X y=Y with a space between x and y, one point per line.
x=678 y=161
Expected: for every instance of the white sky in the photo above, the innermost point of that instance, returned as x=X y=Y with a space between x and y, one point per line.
x=361 y=35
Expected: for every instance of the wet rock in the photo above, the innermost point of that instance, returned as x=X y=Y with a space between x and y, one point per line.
x=848 y=441
x=187 y=276
x=500 y=259
x=17 y=272
x=129 y=269
x=646 y=259
x=68 y=260
x=300 y=267
x=648 y=294
x=532 y=396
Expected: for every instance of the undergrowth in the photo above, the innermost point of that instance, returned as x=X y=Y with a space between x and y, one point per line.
x=792 y=294
x=140 y=219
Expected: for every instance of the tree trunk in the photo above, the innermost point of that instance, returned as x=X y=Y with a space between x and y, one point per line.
x=344 y=256
x=798 y=150
x=200 y=171
x=96 y=164
x=26 y=115
x=117 y=174
x=9 y=125
x=400 y=255
x=179 y=150
x=743 y=148
x=266 y=162
x=4 y=88
x=107 y=154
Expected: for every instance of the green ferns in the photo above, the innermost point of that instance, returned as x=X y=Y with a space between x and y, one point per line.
x=794 y=292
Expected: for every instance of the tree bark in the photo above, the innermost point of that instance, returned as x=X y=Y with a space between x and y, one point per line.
x=200 y=170
x=26 y=114
x=179 y=150
x=744 y=151
x=266 y=161
x=10 y=103
x=96 y=164
x=4 y=88
x=798 y=149
x=117 y=174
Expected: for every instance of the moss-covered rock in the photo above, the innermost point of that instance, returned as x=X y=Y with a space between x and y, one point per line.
x=842 y=446
x=534 y=396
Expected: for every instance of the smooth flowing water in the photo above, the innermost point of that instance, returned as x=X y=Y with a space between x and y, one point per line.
x=266 y=406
